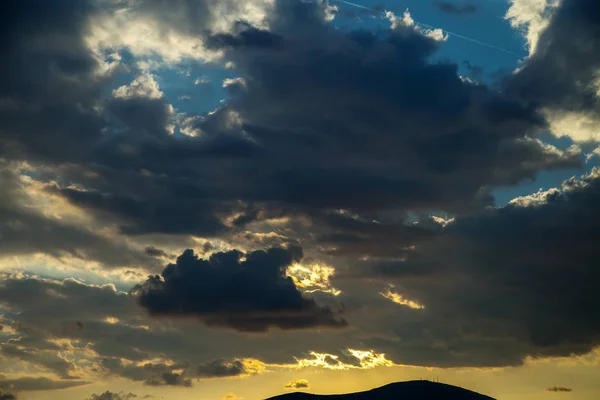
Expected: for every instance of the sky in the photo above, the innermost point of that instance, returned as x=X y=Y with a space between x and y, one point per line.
x=235 y=199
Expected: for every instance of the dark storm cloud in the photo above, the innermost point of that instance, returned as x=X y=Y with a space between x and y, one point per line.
x=371 y=123
x=559 y=389
x=51 y=91
x=456 y=9
x=54 y=110
x=245 y=292
x=563 y=70
x=49 y=88
x=48 y=97
x=522 y=277
x=312 y=150
x=322 y=120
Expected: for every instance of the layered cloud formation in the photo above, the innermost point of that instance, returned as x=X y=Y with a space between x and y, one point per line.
x=337 y=170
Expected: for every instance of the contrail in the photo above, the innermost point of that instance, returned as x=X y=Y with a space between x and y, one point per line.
x=479 y=42
x=355 y=5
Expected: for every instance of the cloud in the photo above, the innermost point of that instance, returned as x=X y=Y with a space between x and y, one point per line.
x=183 y=373
x=311 y=278
x=297 y=384
x=559 y=389
x=531 y=17
x=104 y=334
x=308 y=153
x=245 y=292
x=344 y=164
x=7 y=396
x=53 y=229
x=71 y=328
x=174 y=33
x=37 y=383
x=456 y=9
x=108 y=395
x=529 y=279
x=42 y=357
x=568 y=90
x=399 y=299
x=169 y=379
x=377 y=135
x=51 y=88
x=222 y=368
x=154 y=252
x=143 y=85
x=58 y=82
x=349 y=359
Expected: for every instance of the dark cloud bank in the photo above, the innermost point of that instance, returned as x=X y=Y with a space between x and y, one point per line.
x=351 y=131
x=247 y=292
x=372 y=125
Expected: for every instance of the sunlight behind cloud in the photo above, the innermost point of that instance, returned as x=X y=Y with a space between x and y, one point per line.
x=399 y=299
x=351 y=359
x=313 y=277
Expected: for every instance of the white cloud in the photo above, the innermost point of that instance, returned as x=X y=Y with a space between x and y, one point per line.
x=530 y=17
x=187 y=125
x=542 y=196
x=578 y=125
x=234 y=81
x=408 y=22
x=143 y=37
x=595 y=153
x=202 y=81
x=406 y=19
x=149 y=33
x=144 y=85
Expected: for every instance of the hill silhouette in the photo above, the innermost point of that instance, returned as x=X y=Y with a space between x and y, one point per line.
x=411 y=390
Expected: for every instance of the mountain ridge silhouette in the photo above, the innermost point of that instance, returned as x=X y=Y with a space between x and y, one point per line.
x=409 y=390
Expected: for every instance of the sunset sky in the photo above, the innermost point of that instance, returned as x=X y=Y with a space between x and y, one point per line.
x=235 y=199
